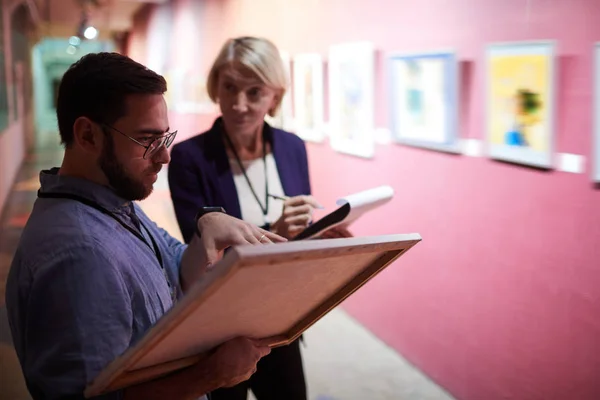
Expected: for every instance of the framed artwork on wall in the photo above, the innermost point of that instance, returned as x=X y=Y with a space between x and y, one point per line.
x=351 y=98
x=3 y=78
x=187 y=92
x=308 y=97
x=596 y=112
x=520 y=96
x=284 y=118
x=424 y=100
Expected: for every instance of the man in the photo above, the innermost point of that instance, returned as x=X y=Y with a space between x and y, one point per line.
x=92 y=273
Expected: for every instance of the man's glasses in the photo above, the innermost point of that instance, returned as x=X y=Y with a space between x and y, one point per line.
x=154 y=145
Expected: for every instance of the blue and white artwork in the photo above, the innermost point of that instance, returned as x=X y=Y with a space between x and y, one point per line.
x=424 y=100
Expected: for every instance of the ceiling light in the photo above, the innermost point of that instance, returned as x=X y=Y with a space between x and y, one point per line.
x=74 y=41
x=90 y=33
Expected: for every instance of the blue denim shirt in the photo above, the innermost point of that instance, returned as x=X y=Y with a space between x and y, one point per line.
x=82 y=288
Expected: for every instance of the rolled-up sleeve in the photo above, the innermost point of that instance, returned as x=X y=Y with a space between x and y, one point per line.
x=77 y=319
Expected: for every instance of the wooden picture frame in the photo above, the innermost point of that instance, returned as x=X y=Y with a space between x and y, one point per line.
x=294 y=284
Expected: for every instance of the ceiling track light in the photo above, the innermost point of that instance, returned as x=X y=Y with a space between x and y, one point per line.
x=85 y=30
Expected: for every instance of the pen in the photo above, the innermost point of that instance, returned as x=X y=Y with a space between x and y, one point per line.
x=284 y=198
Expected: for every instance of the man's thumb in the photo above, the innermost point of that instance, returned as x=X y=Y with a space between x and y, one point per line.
x=212 y=256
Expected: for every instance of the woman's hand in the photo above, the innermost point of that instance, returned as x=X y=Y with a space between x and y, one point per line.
x=296 y=216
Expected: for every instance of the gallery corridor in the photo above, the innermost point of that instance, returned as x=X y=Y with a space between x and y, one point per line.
x=482 y=116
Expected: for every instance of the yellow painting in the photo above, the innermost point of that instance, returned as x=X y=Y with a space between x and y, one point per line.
x=519 y=101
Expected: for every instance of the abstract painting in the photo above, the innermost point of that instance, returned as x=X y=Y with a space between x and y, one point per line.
x=308 y=97
x=351 y=98
x=520 y=102
x=596 y=170
x=424 y=100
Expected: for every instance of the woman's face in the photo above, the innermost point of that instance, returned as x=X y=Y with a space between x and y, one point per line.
x=244 y=99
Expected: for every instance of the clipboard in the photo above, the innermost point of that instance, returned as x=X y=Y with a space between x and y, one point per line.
x=351 y=208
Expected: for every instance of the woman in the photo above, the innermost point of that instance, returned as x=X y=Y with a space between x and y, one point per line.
x=255 y=172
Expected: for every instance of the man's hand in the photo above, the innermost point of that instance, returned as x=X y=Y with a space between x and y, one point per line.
x=235 y=361
x=336 y=233
x=296 y=215
x=231 y=363
x=220 y=231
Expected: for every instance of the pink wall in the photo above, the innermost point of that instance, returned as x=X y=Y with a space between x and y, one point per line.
x=14 y=138
x=12 y=152
x=501 y=300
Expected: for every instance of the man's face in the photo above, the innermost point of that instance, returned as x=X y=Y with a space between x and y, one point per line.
x=122 y=160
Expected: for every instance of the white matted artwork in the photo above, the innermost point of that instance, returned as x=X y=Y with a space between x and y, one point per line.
x=284 y=117
x=351 y=98
x=424 y=100
x=520 y=102
x=187 y=92
x=308 y=96
x=596 y=169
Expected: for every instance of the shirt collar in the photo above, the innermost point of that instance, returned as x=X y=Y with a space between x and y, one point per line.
x=104 y=196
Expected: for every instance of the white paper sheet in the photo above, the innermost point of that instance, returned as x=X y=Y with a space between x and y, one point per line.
x=364 y=201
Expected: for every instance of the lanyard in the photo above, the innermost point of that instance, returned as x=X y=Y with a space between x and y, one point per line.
x=265 y=209
x=93 y=204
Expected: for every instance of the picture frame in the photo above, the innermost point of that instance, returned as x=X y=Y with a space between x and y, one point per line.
x=284 y=119
x=520 y=102
x=4 y=92
x=424 y=99
x=308 y=96
x=596 y=112
x=351 y=98
x=187 y=92
x=301 y=280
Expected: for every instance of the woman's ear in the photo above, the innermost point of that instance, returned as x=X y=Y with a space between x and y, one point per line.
x=276 y=102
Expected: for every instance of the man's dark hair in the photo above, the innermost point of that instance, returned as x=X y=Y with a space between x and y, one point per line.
x=96 y=87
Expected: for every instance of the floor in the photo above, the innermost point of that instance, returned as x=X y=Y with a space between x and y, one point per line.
x=343 y=360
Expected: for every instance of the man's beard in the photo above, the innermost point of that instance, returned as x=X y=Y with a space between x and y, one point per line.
x=123 y=184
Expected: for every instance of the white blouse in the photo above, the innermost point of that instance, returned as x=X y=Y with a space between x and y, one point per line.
x=255 y=169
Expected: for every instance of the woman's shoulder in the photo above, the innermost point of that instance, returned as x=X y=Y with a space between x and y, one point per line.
x=287 y=138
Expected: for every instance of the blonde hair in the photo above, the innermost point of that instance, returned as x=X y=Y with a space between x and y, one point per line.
x=260 y=56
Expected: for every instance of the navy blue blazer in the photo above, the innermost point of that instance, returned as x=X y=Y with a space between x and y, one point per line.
x=200 y=175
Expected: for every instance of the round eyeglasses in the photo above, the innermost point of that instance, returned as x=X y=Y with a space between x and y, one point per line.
x=154 y=145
